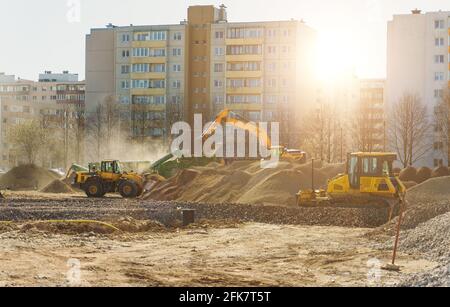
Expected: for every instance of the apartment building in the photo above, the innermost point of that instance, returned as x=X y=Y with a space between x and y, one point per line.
x=371 y=110
x=418 y=62
x=163 y=74
x=51 y=100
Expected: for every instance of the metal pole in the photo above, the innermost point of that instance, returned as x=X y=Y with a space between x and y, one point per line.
x=312 y=175
x=397 y=237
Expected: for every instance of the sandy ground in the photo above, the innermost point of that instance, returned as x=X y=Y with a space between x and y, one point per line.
x=214 y=254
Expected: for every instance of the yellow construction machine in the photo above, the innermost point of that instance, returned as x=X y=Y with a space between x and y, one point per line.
x=227 y=116
x=108 y=177
x=368 y=181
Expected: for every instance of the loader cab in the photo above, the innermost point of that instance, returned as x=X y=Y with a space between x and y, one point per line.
x=369 y=165
x=111 y=166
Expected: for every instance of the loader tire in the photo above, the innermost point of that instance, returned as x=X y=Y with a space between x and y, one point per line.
x=94 y=188
x=128 y=189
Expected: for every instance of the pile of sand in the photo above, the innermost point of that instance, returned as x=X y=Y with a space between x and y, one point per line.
x=27 y=177
x=244 y=182
x=57 y=187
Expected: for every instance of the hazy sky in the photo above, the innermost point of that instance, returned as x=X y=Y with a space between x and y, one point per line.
x=43 y=35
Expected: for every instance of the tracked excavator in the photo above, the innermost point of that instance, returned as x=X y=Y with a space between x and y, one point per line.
x=369 y=181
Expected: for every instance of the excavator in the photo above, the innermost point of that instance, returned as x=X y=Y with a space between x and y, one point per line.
x=369 y=181
x=227 y=116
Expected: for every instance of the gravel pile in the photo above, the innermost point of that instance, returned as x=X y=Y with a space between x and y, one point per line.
x=168 y=213
x=438 y=277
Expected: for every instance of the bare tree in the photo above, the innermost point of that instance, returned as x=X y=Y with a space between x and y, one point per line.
x=29 y=138
x=102 y=126
x=78 y=128
x=409 y=129
x=324 y=134
x=111 y=120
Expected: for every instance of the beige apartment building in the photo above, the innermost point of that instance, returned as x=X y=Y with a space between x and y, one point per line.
x=52 y=101
x=418 y=62
x=166 y=73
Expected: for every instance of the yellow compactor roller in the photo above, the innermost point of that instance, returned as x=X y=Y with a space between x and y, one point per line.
x=368 y=181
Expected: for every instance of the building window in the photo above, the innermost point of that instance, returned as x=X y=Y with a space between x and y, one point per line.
x=151 y=36
x=176 y=51
x=244 y=99
x=438 y=76
x=271 y=99
x=147 y=52
x=176 y=84
x=219 y=51
x=219 y=35
x=218 y=67
x=125 y=100
x=125 y=69
x=272 y=50
x=439 y=93
x=244 y=66
x=125 y=53
x=125 y=38
x=439 y=42
x=125 y=84
x=439 y=59
x=244 y=33
x=176 y=68
x=438 y=146
x=149 y=83
x=218 y=83
x=438 y=162
x=439 y=24
x=177 y=36
x=244 y=49
x=272 y=83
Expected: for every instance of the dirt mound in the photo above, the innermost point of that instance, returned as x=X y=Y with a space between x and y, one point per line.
x=57 y=187
x=409 y=184
x=408 y=174
x=432 y=189
x=423 y=174
x=128 y=224
x=69 y=227
x=280 y=188
x=244 y=182
x=27 y=177
x=440 y=172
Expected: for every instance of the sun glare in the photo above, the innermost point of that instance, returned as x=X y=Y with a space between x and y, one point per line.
x=335 y=56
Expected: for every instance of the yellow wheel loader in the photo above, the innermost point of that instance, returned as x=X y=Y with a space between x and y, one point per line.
x=109 y=179
x=368 y=181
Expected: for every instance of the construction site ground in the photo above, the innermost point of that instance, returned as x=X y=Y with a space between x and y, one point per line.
x=142 y=243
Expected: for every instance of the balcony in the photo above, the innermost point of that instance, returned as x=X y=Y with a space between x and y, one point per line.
x=150 y=44
x=243 y=74
x=244 y=58
x=244 y=106
x=244 y=90
x=149 y=60
x=148 y=75
x=245 y=41
x=148 y=91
